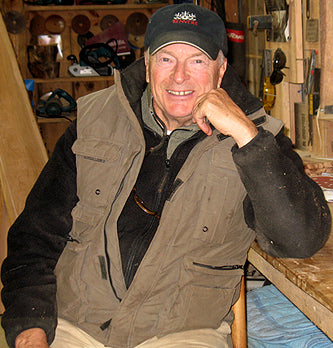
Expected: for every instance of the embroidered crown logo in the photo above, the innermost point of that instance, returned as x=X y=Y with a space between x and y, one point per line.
x=185 y=17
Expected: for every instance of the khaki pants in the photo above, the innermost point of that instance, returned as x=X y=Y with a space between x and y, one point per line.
x=70 y=336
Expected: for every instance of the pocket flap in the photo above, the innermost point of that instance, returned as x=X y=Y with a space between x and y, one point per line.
x=97 y=149
x=87 y=215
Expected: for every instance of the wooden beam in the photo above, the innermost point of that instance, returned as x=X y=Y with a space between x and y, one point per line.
x=22 y=151
x=231 y=11
x=326 y=24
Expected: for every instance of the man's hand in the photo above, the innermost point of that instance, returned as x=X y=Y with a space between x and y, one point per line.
x=217 y=107
x=32 y=338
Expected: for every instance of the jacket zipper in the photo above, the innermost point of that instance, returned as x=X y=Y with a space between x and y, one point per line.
x=140 y=239
x=160 y=190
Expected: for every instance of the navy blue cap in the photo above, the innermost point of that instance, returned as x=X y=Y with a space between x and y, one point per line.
x=187 y=23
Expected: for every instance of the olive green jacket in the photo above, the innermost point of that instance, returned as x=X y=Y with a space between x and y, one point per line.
x=190 y=275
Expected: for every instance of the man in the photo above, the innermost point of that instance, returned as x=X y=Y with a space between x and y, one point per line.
x=137 y=231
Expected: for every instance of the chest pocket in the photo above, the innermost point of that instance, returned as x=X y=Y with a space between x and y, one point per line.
x=217 y=194
x=97 y=170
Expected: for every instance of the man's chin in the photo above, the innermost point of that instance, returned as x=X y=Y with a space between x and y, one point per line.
x=183 y=120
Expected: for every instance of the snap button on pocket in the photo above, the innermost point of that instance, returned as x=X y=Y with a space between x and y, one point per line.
x=97 y=192
x=205 y=229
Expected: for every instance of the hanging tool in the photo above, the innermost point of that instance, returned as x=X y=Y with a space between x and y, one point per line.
x=311 y=27
x=312 y=65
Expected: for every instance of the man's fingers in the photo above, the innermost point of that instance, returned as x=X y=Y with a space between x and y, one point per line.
x=199 y=116
x=203 y=124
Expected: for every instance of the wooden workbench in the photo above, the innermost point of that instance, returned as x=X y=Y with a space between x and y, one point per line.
x=308 y=283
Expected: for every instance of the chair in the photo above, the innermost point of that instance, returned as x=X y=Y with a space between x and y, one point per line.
x=238 y=328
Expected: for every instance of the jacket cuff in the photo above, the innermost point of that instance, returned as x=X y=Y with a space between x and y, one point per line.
x=257 y=149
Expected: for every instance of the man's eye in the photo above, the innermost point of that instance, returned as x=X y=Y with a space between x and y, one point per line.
x=165 y=60
x=198 y=61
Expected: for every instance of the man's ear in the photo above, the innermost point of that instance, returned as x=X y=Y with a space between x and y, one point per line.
x=146 y=54
x=222 y=71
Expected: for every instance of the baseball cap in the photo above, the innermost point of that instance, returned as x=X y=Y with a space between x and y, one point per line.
x=187 y=23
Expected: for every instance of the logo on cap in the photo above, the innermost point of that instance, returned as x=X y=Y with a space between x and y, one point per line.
x=185 y=17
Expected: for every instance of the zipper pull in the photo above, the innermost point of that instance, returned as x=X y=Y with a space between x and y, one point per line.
x=71 y=239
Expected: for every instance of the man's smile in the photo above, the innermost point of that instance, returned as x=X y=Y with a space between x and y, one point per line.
x=180 y=93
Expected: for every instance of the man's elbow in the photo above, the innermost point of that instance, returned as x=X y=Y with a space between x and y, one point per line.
x=301 y=242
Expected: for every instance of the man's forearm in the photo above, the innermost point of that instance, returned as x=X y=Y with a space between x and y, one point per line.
x=290 y=214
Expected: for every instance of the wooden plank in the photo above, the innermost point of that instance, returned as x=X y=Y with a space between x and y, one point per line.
x=22 y=152
x=231 y=11
x=314 y=310
x=326 y=24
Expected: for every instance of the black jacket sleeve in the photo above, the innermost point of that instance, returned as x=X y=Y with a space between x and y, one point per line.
x=35 y=242
x=285 y=207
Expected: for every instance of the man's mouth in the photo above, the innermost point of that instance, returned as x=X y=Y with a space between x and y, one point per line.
x=180 y=93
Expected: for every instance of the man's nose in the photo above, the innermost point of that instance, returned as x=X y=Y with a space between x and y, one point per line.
x=180 y=73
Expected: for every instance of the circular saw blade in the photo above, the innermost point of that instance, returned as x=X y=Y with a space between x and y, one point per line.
x=81 y=24
x=137 y=41
x=136 y=23
x=55 y=24
x=108 y=21
x=15 y=22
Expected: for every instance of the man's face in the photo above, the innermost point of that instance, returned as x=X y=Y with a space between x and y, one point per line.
x=178 y=74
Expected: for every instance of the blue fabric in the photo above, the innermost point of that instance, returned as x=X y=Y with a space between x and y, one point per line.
x=30 y=85
x=274 y=322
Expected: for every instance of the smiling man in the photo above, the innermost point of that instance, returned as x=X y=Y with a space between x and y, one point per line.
x=184 y=82
x=137 y=230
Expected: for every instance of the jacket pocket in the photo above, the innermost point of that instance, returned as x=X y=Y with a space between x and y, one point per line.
x=79 y=258
x=204 y=295
x=211 y=292
x=212 y=210
x=84 y=219
x=214 y=274
x=71 y=289
x=97 y=170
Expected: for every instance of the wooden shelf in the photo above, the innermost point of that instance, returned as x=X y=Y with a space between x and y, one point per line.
x=75 y=79
x=52 y=128
x=143 y=6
